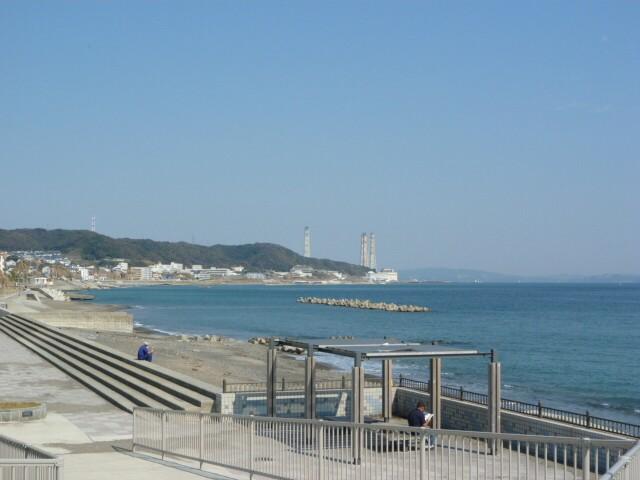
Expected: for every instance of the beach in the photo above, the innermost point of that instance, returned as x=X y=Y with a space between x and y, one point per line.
x=210 y=358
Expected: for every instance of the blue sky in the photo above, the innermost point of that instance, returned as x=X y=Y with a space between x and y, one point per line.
x=493 y=135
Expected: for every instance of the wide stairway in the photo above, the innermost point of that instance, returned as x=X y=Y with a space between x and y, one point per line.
x=118 y=378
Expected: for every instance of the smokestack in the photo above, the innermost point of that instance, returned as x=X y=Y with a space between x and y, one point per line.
x=364 y=250
x=372 y=251
x=307 y=242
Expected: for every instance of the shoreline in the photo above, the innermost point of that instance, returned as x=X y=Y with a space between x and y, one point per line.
x=237 y=361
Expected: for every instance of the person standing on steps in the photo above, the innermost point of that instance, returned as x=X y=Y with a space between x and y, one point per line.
x=145 y=352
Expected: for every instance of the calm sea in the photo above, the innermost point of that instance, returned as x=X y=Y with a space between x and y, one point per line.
x=570 y=346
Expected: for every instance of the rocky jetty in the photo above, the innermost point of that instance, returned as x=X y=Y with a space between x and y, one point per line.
x=282 y=348
x=364 y=304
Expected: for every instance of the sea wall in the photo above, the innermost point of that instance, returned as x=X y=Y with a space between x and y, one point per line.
x=106 y=321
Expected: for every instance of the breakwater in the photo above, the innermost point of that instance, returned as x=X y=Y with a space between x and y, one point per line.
x=363 y=304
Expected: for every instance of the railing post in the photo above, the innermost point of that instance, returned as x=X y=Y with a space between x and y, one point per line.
x=224 y=385
x=461 y=393
x=164 y=437
x=283 y=384
x=586 y=458
x=252 y=428
x=133 y=435
x=320 y=442
x=539 y=409
x=588 y=420
x=344 y=383
x=423 y=460
x=201 y=456
x=400 y=381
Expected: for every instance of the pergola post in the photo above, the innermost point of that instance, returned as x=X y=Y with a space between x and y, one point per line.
x=310 y=384
x=495 y=394
x=357 y=407
x=271 y=379
x=436 y=391
x=357 y=393
x=387 y=389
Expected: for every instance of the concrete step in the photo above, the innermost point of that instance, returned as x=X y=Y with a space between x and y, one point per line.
x=196 y=399
x=100 y=389
x=205 y=390
x=133 y=395
x=99 y=370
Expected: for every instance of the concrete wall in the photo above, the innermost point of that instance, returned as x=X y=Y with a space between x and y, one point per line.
x=329 y=403
x=107 y=321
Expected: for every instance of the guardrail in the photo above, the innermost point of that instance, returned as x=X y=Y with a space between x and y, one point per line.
x=535 y=409
x=303 y=449
x=627 y=467
x=289 y=386
x=19 y=461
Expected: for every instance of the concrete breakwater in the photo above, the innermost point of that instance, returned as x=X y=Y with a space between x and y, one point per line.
x=363 y=304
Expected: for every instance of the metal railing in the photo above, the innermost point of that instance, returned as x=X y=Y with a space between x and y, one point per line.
x=627 y=467
x=19 y=461
x=585 y=420
x=290 y=386
x=315 y=449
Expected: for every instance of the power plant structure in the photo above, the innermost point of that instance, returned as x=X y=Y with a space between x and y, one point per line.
x=307 y=242
x=93 y=224
x=368 y=250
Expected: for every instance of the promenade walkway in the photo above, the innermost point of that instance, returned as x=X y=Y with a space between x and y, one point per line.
x=90 y=434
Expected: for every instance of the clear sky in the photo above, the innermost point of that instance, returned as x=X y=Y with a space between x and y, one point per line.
x=499 y=136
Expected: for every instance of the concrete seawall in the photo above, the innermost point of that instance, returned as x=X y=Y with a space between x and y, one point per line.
x=107 y=321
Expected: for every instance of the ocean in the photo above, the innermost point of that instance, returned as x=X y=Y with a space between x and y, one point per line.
x=571 y=346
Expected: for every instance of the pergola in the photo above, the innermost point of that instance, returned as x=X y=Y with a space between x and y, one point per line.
x=385 y=350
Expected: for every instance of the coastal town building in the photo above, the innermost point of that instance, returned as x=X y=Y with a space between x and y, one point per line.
x=140 y=273
x=384 y=276
x=301 y=271
x=122 y=267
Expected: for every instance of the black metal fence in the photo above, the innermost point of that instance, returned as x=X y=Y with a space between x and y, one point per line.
x=534 y=409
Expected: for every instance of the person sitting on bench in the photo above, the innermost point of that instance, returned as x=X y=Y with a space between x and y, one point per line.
x=417 y=418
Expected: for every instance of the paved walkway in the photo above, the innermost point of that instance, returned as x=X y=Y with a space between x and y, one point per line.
x=90 y=434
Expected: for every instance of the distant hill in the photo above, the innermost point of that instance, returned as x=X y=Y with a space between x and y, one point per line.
x=466 y=276
x=91 y=246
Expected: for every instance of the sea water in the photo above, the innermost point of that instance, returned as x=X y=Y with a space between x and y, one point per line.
x=571 y=346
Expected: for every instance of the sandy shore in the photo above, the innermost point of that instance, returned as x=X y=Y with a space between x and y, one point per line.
x=234 y=360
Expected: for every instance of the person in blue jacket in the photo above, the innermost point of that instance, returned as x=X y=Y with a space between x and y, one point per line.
x=145 y=352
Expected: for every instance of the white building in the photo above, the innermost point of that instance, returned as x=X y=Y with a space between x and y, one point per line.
x=122 y=267
x=209 y=273
x=301 y=271
x=386 y=275
x=3 y=259
x=84 y=274
x=255 y=276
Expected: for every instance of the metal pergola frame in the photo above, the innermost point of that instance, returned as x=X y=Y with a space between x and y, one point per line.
x=385 y=350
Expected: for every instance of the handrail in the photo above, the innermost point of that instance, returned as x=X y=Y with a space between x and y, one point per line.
x=629 y=461
x=26 y=461
x=287 y=448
